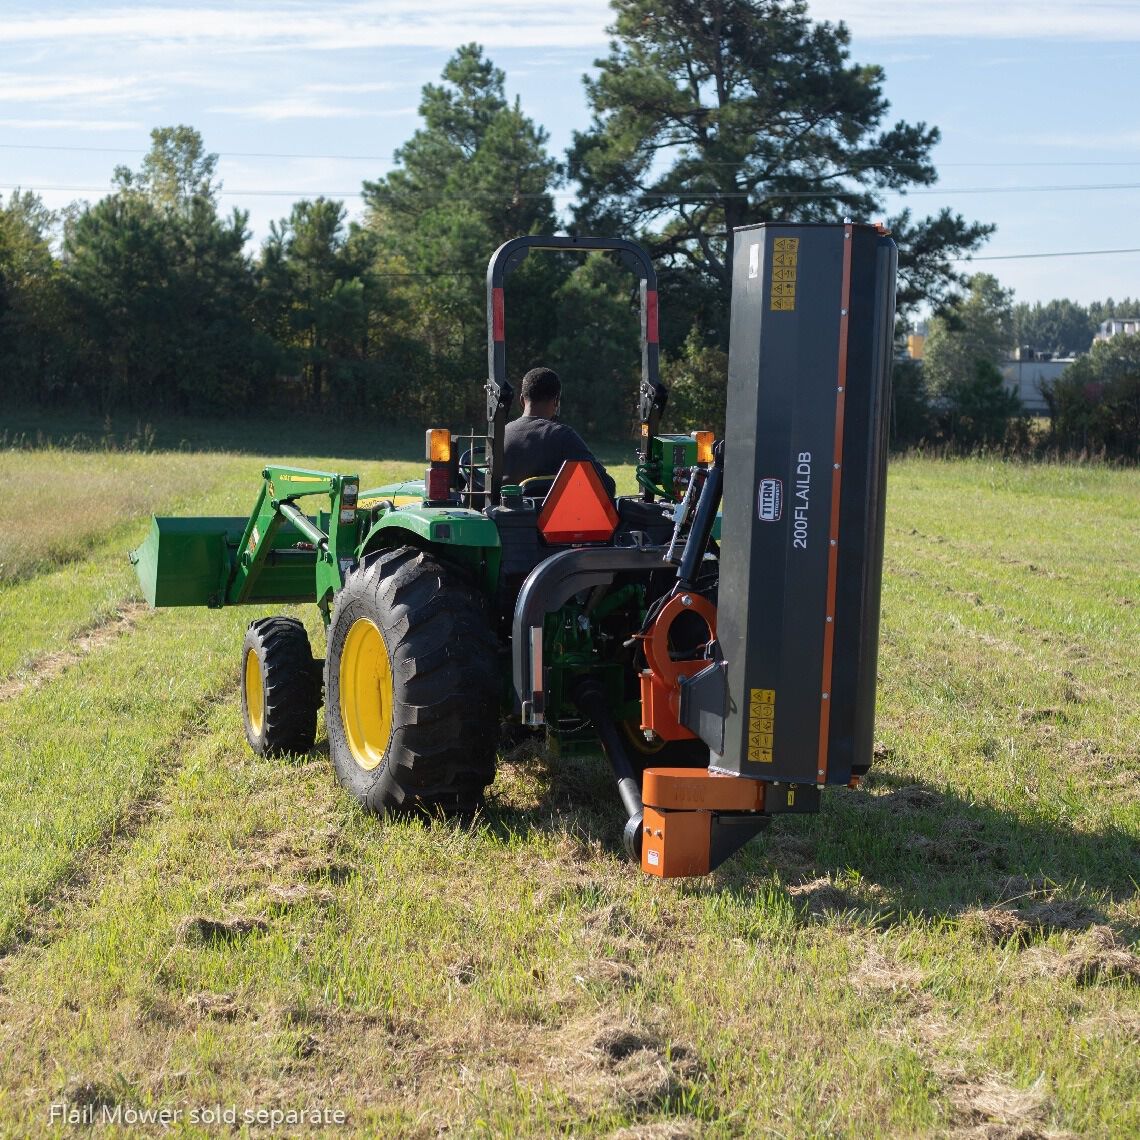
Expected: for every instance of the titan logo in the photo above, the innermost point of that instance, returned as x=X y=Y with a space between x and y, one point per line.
x=770 y=500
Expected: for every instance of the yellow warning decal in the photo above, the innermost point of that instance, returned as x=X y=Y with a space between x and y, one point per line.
x=785 y=260
x=761 y=724
x=395 y=500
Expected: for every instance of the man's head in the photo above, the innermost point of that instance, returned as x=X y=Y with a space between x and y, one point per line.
x=541 y=391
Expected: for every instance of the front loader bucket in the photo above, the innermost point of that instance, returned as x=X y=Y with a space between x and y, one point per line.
x=189 y=562
x=186 y=562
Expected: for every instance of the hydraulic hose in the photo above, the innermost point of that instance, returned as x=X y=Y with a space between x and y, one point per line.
x=683 y=511
x=700 y=533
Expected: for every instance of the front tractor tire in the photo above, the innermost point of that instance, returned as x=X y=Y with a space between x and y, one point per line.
x=280 y=687
x=411 y=684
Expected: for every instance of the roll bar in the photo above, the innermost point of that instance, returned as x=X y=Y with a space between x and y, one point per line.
x=504 y=261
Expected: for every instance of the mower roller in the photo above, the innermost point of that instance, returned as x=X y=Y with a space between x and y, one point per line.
x=716 y=634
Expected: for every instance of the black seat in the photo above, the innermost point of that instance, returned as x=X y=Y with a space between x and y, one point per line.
x=537 y=486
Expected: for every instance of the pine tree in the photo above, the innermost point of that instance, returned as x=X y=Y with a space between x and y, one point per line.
x=713 y=115
x=474 y=175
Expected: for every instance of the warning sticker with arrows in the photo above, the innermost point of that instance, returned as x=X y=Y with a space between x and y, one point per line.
x=761 y=724
x=785 y=261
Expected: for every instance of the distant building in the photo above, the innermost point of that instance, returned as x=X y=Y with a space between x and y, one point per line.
x=1031 y=371
x=916 y=341
x=1118 y=326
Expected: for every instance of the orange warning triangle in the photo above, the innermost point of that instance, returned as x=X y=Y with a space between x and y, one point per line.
x=577 y=509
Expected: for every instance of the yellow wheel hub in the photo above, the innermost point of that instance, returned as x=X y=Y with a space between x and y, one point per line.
x=254 y=692
x=366 y=693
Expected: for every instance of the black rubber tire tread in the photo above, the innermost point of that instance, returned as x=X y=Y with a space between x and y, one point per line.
x=445 y=685
x=291 y=683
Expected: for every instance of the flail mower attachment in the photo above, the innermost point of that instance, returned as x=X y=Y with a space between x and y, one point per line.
x=785 y=696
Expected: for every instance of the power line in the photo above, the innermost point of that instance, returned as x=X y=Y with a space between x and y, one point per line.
x=220 y=193
x=1062 y=253
x=1048 y=189
x=221 y=154
x=695 y=195
x=392 y=158
x=438 y=273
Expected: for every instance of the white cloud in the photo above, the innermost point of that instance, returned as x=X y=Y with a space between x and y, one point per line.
x=72 y=124
x=52 y=88
x=350 y=88
x=338 y=25
x=298 y=107
x=335 y=26
x=1112 y=21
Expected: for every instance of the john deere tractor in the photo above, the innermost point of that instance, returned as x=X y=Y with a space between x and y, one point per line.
x=726 y=676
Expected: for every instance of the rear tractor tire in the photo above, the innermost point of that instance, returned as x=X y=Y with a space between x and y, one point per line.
x=412 y=686
x=280 y=687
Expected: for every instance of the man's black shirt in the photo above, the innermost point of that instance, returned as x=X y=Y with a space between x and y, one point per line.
x=533 y=445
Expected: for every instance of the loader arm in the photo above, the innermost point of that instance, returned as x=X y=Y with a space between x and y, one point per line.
x=276 y=506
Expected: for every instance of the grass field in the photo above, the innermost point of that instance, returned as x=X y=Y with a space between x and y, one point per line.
x=950 y=950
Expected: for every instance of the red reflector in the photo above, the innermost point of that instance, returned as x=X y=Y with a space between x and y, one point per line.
x=577 y=509
x=437 y=484
x=498 y=320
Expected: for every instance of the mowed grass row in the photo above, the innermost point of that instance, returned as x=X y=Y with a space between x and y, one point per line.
x=256 y=941
x=77 y=752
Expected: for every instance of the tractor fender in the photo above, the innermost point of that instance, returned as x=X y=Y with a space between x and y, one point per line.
x=460 y=535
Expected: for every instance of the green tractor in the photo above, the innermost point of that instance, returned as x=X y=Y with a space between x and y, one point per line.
x=457 y=602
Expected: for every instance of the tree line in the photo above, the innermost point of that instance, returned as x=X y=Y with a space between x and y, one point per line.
x=701 y=118
x=955 y=397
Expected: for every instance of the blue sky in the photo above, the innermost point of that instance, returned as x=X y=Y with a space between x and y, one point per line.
x=1037 y=103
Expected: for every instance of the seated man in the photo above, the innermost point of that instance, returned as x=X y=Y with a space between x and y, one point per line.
x=536 y=443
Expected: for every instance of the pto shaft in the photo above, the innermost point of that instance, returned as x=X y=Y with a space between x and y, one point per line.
x=591 y=699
